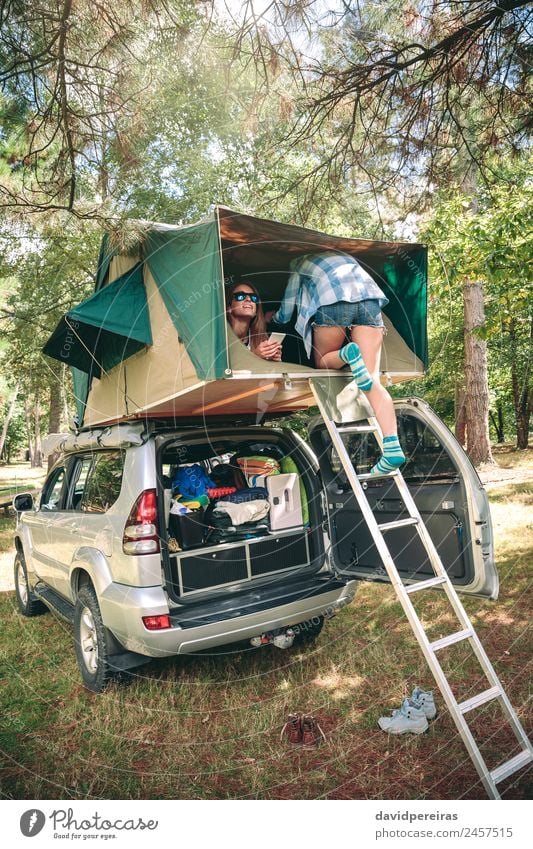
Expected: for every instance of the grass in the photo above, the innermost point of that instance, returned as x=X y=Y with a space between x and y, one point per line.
x=20 y=477
x=6 y=533
x=208 y=727
x=507 y=456
x=13 y=479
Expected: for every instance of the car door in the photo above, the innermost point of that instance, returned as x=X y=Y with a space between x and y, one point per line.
x=41 y=520
x=94 y=483
x=446 y=488
x=66 y=530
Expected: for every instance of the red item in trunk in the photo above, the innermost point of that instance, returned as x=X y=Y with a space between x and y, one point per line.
x=219 y=491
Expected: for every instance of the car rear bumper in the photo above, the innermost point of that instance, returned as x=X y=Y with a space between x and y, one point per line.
x=199 y=627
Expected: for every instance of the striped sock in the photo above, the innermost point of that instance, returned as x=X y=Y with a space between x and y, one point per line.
x=391 y=459
x=351 y=354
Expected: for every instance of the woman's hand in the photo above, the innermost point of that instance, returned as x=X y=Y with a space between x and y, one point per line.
x=268 y=350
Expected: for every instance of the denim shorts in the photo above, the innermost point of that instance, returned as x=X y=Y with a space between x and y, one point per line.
x=344 y=314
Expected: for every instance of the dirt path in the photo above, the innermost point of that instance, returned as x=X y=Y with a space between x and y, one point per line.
x=493 y=476
x=6 y=572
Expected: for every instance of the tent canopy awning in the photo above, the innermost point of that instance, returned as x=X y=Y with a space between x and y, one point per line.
x=105 y=329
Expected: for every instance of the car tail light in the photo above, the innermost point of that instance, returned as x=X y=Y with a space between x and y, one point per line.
x=141 y=534
x=156 y=623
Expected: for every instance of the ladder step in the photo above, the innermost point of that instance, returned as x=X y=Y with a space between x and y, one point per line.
x=399 y=523
x=425 y=585
x=507 y=769
x=377 y=477
x=451 y=639
x=480 y=699
x=356 y=429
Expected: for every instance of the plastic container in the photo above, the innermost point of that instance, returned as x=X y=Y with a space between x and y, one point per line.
x=188 y=528
x=285 y=501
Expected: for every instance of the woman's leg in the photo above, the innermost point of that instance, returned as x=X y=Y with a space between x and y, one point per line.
x=326 y=344
x=370 y=340
x=363 y=357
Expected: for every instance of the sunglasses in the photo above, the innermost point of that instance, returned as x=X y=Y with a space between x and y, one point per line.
x=241 y=296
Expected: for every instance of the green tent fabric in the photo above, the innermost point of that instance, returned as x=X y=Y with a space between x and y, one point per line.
x=106 y=328
x=104 y=260
x=404 y=281
x=80 y=383
x=187 y=268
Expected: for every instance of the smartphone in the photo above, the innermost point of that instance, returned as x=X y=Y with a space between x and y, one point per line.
x=277 y=337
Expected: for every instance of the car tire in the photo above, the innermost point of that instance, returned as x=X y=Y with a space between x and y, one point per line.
x=90 y=641
x=27 y=602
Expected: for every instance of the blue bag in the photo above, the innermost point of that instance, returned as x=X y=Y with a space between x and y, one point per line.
x=192 y=481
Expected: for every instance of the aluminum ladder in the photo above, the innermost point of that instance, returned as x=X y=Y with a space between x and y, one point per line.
x=458 y=710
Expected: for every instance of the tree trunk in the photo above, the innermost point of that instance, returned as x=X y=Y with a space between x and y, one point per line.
x=27 y=417
x=37 y=453
x=498 y=423
x=65 y=413
x=460 y=419
x=501 y=426
x=9 y=416
x=54 y=420
x=476 y=380
x=522 y=395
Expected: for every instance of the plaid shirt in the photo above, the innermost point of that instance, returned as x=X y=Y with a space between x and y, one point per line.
x=321 y=279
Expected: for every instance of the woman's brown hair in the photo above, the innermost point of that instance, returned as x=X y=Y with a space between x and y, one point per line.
x=258 y=332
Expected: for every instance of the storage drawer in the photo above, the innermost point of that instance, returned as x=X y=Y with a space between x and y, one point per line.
x=212 y=569
x=279 y=552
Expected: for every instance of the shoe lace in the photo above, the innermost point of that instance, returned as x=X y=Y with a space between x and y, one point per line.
x=405 y=708
x=292 y=722
x=309 y=723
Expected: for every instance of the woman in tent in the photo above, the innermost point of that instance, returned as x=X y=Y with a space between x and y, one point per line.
x=333 y=293
x=244 y=313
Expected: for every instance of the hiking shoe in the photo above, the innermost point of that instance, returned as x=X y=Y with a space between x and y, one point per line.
x=425 y=700
x=292 y=730
x=312 y=734
x=408 y=719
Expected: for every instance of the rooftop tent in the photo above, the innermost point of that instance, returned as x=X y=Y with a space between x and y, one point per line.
x=195 y=365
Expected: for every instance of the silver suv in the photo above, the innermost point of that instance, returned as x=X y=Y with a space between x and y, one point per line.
x=103 y=550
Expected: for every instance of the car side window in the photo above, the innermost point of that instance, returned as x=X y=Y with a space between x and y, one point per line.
x=102 y=487
x=53 y=489
x=78 y=480
x=427 y=459
x=426 y=456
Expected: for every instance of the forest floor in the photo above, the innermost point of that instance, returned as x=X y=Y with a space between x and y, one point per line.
x=208 y=726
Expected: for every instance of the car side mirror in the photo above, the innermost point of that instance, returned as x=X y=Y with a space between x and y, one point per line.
x=23 y=502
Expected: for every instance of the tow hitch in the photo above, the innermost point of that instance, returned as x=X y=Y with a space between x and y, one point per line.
x=282 y=639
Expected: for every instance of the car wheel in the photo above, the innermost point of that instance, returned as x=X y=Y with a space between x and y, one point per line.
x=90 y=641
x=27 y=603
